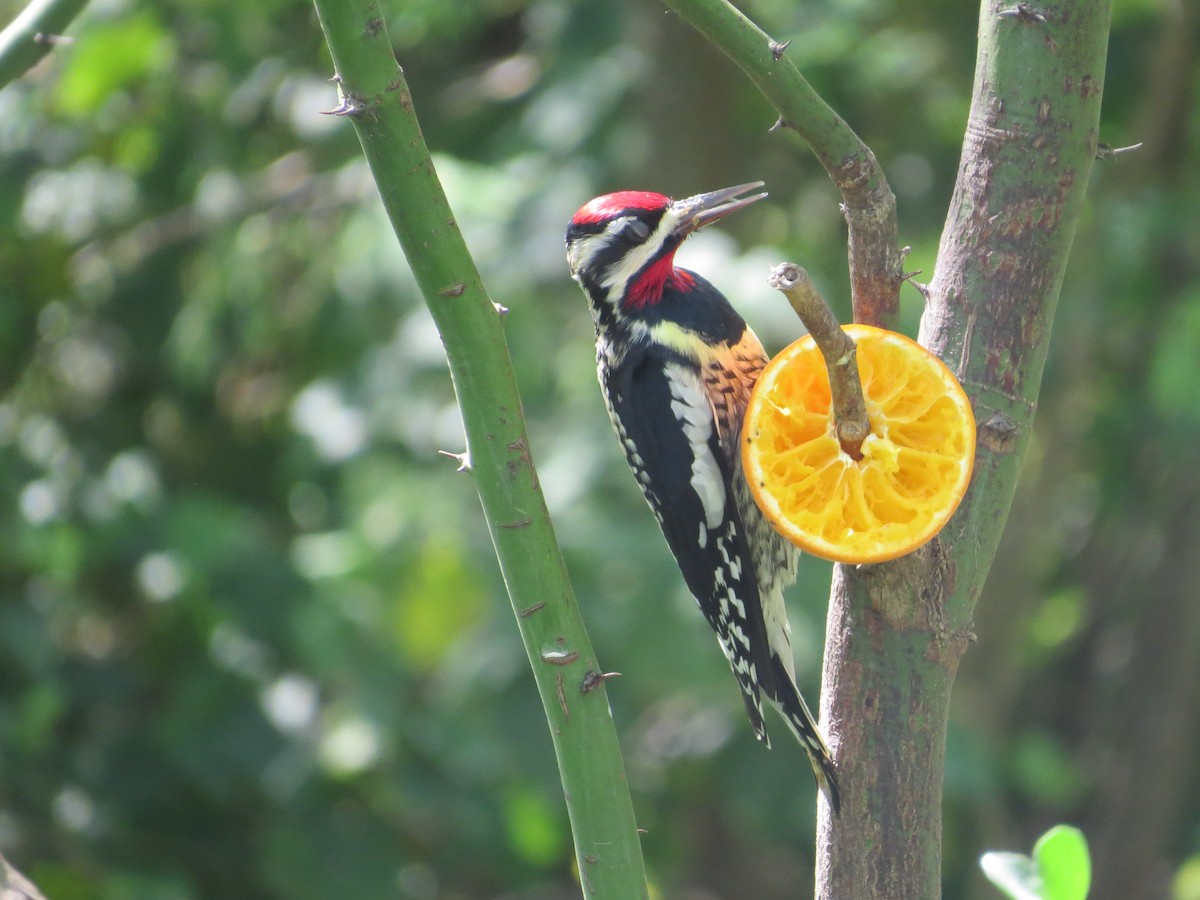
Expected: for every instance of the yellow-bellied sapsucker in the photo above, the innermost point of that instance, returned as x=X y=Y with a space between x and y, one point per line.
x=677 y=364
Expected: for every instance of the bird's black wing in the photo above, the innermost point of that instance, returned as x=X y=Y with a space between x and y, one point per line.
x=665 y=421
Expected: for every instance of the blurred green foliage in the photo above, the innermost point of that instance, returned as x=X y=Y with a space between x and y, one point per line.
x=252 y=638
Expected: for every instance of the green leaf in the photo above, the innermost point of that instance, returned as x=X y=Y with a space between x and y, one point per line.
x=1060 y=868
x=1186 y=885
x=1062 y=858
x=1014 y=873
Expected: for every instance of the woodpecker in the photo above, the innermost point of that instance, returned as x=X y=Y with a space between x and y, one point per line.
x=676 y=365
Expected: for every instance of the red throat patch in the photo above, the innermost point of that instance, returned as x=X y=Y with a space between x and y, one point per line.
x=650 y=284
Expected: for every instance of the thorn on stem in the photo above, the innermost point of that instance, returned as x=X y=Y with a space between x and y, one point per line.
x=999 y=433
x=463 y=459
x=500 y=310
x=777 y=49
x=778 y=126
x=348 y=105
x=52 y=40
x=1023 y=12
x=593 y=680
x=911 y=278
x=1104 y=151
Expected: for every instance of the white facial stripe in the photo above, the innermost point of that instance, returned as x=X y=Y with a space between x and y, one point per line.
x=617 y=277
x=583 y=249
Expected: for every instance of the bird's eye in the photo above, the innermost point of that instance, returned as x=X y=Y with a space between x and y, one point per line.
x=637 y=229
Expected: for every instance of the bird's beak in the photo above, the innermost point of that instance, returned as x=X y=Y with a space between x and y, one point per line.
x=694 y=213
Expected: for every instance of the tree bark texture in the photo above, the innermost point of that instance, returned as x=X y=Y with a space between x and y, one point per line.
x=897 y=631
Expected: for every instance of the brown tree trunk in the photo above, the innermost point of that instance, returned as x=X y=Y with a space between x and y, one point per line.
x=896 y=632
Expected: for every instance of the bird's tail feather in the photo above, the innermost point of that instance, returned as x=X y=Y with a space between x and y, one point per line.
x=787 y=699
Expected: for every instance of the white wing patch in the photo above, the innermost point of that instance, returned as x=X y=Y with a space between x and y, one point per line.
x=690 y=405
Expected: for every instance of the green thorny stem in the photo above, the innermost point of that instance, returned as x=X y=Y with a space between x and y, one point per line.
x=375 y=97
x=36 y=30
x=875 y=259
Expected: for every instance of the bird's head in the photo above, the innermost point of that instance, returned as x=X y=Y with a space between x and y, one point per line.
x=621 y=247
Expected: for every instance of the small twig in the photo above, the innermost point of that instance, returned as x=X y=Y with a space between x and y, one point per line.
x=921 y=287
x=837 y=348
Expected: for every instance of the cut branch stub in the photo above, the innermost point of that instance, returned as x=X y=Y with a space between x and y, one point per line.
x=837 y=349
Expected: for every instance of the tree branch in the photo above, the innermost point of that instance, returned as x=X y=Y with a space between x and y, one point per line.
x=876 y=262
x=375 y=97
x=896 y=632
x=837 y=348
x=32 y=34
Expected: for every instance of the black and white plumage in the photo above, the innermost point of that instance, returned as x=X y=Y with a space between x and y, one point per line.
x=676 y=364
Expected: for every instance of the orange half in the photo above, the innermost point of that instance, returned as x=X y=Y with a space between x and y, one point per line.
x=916 y=462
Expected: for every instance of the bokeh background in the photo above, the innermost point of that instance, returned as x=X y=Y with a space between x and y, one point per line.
x=253 y=641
